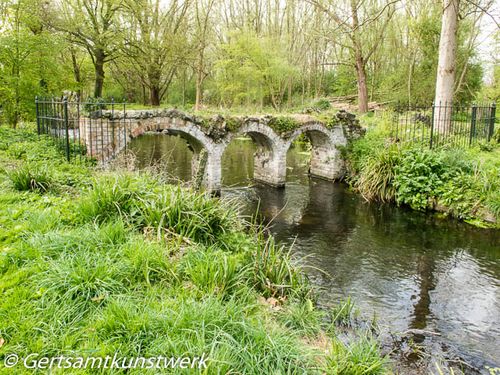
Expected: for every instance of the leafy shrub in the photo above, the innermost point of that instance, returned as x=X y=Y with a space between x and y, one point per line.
x=485 y=146
x=418 y=177
x=30 y=177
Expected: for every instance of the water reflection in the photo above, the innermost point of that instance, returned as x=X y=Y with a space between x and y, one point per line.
x=409 y=269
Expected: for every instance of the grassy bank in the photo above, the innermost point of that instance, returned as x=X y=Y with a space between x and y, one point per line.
x=95 y=263
x=461 y=183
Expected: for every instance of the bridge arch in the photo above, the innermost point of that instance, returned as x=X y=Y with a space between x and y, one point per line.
x=326 y=161
x=197 y=141
x=270 y=156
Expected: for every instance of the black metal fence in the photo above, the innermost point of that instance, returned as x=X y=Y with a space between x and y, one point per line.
x=444 y=124
x=94 y=128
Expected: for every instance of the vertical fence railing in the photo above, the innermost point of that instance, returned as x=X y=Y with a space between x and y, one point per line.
x=444 y=124
x=92 y=128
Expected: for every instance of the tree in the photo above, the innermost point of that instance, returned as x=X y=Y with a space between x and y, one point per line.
x=201 y=41
x=253 y=70
x=364 y=30
x=446 y=65
x=156 y=43
x=27 y=60
x=91 y=24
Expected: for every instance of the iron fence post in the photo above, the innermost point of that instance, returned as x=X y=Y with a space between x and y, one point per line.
x=492 y=121
x=66 y=125
x=37 y=116
x=432 y=125
x=473 y=124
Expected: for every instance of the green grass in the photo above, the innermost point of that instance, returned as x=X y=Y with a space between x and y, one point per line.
x=118 y=262
x=359 y=358
x=344 y=313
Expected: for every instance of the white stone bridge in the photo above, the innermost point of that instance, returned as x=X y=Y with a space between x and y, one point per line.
x=105 y=134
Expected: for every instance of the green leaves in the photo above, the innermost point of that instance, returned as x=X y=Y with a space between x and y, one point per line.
x=461 y=183
x=253 y=69
x=418 y=176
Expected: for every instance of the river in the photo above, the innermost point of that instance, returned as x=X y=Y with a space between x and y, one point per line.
x=409 y=270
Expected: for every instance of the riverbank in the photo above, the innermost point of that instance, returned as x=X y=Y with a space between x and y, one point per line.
x=460 y=183
x=96 y=263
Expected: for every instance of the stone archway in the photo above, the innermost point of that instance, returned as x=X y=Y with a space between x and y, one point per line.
x=270 y=156
x=196 y=139
x=326 y=161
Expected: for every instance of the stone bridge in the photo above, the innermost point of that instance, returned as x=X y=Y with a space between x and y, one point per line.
x=105 y=134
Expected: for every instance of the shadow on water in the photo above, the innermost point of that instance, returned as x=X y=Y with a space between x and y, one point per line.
x=411 y=270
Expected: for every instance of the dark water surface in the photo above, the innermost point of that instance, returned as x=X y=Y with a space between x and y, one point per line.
x=410 y=270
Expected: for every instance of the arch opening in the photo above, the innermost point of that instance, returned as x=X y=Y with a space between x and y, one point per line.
x=254 y=153
x=171 y=155
x=324 y=158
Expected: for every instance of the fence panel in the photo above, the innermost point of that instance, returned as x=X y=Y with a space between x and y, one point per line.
x=94 y=128
x=444 y=124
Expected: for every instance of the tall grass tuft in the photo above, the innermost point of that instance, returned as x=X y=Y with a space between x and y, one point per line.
x=361 y=357
x=213 y=271
x=274 y=273
x=164 y=209
x=302 y=317
x=30 y=177
x=344 y=312
x=375 y=181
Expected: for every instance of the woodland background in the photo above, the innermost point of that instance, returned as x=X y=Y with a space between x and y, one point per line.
x=257 y=54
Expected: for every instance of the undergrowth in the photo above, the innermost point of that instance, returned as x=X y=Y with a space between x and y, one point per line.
x=463 y=183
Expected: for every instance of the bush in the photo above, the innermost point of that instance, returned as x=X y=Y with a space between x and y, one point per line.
x=282 y=124
x=418 y=177
x=461 y=182
x=322 y=104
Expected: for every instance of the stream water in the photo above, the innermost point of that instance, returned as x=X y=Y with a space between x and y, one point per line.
x=409 y=270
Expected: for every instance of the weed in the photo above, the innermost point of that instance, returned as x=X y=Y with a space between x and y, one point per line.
x=344 y=312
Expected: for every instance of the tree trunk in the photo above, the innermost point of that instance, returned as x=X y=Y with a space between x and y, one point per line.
x=446 y=66
x=360 y=61
x=99 y=73
x=362 y=88
x=199 y=90
x=154 y=96
x=77 y=74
